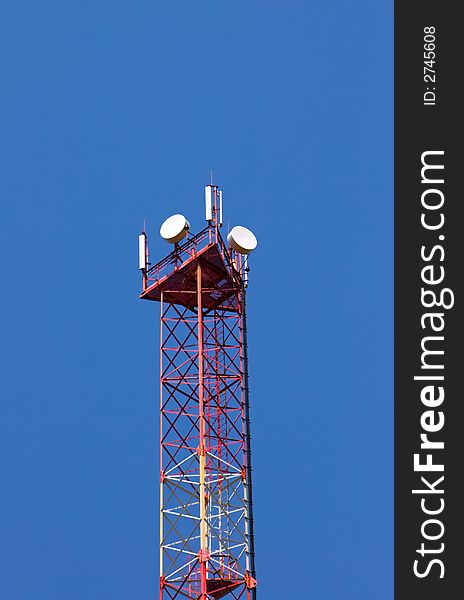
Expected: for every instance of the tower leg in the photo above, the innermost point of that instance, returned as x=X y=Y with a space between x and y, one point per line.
x=202 y=447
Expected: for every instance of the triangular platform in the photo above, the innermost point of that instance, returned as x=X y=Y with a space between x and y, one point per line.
x=219 y=288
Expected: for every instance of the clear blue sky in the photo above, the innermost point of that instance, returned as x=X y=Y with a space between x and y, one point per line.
x=112 y=112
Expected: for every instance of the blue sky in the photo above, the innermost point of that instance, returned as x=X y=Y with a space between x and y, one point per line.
x=112 y=112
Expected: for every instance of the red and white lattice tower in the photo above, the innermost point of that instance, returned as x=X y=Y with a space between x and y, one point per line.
x=206 y=508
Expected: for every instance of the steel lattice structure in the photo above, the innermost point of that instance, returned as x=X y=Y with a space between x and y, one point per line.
x=206 y=520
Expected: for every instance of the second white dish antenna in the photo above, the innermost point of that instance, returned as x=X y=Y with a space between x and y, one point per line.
x=242 y=240
x=174 y=229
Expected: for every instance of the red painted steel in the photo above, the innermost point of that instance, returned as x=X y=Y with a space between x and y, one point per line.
x=206 y=520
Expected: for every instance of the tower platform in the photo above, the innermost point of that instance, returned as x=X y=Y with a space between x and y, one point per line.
x=175 y=278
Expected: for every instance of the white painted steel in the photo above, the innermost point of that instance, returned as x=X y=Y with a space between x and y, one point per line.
x=220 y=208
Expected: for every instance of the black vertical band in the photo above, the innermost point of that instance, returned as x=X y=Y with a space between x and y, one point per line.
x=429 y=256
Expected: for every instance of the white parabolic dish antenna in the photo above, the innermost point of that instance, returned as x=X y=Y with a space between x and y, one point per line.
x=242 y=240
x=174 y=228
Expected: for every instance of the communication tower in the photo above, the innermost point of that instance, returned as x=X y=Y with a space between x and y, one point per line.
x=206 y=505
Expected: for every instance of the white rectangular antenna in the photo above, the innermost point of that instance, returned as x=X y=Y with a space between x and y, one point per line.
x=245 y=270
x=208 y=203
x=143 y=252
x=220 y=208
